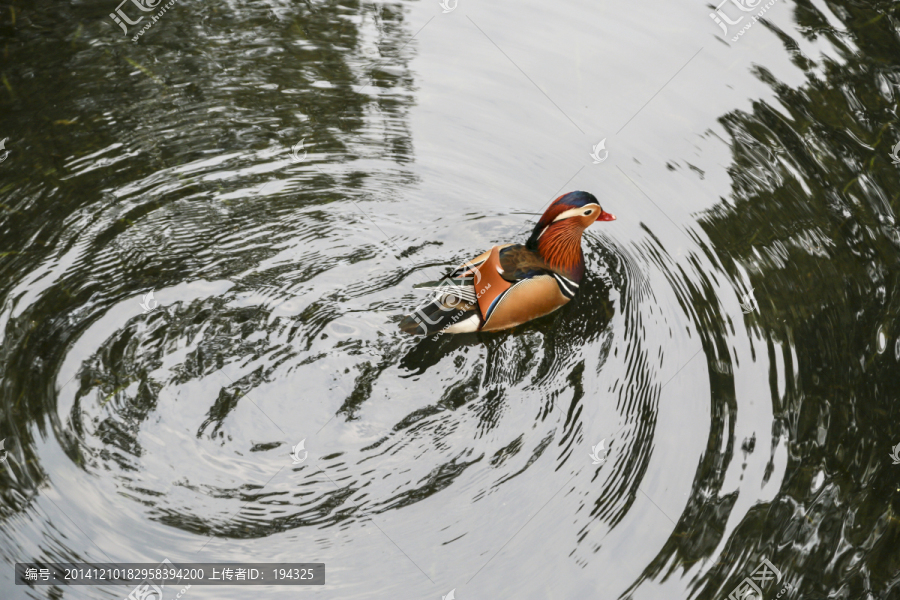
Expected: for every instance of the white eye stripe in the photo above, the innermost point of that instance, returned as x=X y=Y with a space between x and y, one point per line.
x=575 y=212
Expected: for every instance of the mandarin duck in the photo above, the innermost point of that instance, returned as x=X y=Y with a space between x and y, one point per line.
x=511 y=284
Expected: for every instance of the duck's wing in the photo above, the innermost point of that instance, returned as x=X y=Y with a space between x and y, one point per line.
x=522 y=288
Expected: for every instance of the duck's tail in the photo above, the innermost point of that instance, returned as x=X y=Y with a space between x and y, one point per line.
x=453 y=308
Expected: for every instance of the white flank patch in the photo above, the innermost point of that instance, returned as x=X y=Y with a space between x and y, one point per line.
x=465 y=326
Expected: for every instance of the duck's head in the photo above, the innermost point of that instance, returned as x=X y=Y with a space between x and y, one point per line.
x=557 y=235
x=573 y=210
x=570 y=214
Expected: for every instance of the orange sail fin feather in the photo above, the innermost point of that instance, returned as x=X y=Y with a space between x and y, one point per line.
x=492 y=283
x=514 y=283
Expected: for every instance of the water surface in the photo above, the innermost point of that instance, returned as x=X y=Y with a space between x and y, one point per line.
x=734 y=347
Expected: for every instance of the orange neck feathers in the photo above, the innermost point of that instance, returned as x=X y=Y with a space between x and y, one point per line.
x=559 y=244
